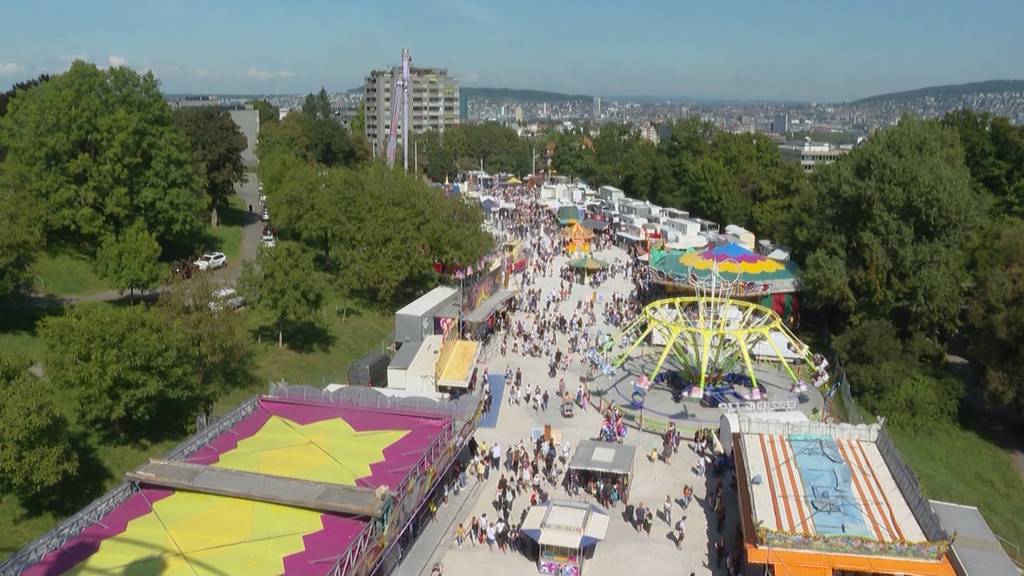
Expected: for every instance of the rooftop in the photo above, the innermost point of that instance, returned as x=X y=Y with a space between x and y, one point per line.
x=160 y=531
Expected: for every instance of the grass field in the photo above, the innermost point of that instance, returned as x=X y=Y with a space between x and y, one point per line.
x=66 y=274
x=960 y=466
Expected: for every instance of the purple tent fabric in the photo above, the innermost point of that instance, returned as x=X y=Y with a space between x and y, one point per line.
x=338 y=531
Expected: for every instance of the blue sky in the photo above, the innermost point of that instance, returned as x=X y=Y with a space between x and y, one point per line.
x=822 y=50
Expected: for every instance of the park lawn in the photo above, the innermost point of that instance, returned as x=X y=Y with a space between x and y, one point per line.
x=227 y=237
x=66 y=274
x=957 y=465
x=322 y=357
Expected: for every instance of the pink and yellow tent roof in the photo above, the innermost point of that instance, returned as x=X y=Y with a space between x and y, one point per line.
x=731 y=259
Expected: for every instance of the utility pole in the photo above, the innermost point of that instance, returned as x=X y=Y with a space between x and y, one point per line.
x=416 y=156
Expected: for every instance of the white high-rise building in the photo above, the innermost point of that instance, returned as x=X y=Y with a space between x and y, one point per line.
x=433 y=103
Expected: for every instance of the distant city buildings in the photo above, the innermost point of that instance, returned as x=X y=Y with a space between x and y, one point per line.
x=649 y=132
x=811 y=154
x=433 y=103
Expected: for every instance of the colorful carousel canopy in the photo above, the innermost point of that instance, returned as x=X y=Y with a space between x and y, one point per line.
x=732 y=262
x=588 y=263
x=577 y=232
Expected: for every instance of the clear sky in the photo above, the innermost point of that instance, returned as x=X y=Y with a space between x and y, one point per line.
x=821 y=50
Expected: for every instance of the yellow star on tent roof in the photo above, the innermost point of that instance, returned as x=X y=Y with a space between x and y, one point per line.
x=326 y=451
x=190 y=533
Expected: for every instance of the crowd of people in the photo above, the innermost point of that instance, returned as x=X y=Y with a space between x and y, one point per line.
x=563 y=325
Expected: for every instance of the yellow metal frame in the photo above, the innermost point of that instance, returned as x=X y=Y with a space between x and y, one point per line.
x=708 y=336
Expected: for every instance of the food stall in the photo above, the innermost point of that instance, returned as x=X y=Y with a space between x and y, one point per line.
x=566 y=534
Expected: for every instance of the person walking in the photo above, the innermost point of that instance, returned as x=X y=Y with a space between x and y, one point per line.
x=460 y=535
x=667 y=509
x=680 y=533
x=491 y=535
x=496 y=456
x=544 y=401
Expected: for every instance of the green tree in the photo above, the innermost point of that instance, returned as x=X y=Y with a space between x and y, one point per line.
x=994 y=153
x=268 y=112
x=218 y=335
x=284 y=286
x=131 y=261
x=36 y=448
x=98 y=150
x=23 y=234
x=217 y=145
x=897 y=212
x=318 y=106
x=996 y=315
x=130 y=370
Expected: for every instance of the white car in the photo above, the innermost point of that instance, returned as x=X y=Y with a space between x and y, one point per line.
x=226 y=299
x=211 y=261
x=268 y=240
x=265 y=216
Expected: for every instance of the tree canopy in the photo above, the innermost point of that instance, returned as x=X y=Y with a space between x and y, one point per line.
x=36 y=448
x=130 y=261
x=377 y=230
x=466 y=146
x=130 y=370
x=284 y=286
x=217 y=145
x=116 y=160
x=890 y=222
x=725 y=177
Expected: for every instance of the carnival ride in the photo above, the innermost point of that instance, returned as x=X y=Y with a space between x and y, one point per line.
x=712 y=340
x=400 y=102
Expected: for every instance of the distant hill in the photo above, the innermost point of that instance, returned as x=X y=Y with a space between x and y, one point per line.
x=948 y=91
x=519 y=95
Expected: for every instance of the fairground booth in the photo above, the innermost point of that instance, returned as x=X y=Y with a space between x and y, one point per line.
x=610 y=462
x=832 y=500
x=566 y=535
x=430 y=358
x=300 y=481
x=577 y=239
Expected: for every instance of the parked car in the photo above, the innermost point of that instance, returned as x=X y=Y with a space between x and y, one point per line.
x=226 y=299
x=265 y=216
x=268 y=239
x=211 y=261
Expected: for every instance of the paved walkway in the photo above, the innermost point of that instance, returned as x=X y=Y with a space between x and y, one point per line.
x=623 y=547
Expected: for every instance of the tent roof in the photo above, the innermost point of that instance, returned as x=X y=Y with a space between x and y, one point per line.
x=566 y=524
x=588 y=263
x=603 y=457
x=577 y=232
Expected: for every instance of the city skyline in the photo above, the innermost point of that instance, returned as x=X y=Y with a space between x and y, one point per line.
x=787 y=52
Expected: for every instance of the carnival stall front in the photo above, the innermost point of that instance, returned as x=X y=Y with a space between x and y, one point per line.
x=595 y=465
x=566 y=534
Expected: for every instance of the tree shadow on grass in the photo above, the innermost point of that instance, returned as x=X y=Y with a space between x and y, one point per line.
x=23 y=314
x=300 y=337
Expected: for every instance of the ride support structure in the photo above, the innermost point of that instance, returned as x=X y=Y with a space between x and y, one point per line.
x=400 y=104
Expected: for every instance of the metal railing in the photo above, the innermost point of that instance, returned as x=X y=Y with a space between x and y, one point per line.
x=909 y=486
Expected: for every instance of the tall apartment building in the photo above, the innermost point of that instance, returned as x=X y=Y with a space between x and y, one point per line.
x=433 y=103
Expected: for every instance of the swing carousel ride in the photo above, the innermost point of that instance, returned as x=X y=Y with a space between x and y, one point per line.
x=711 y=339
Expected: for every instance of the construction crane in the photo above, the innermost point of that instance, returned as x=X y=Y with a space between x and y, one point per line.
x=400 y=103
